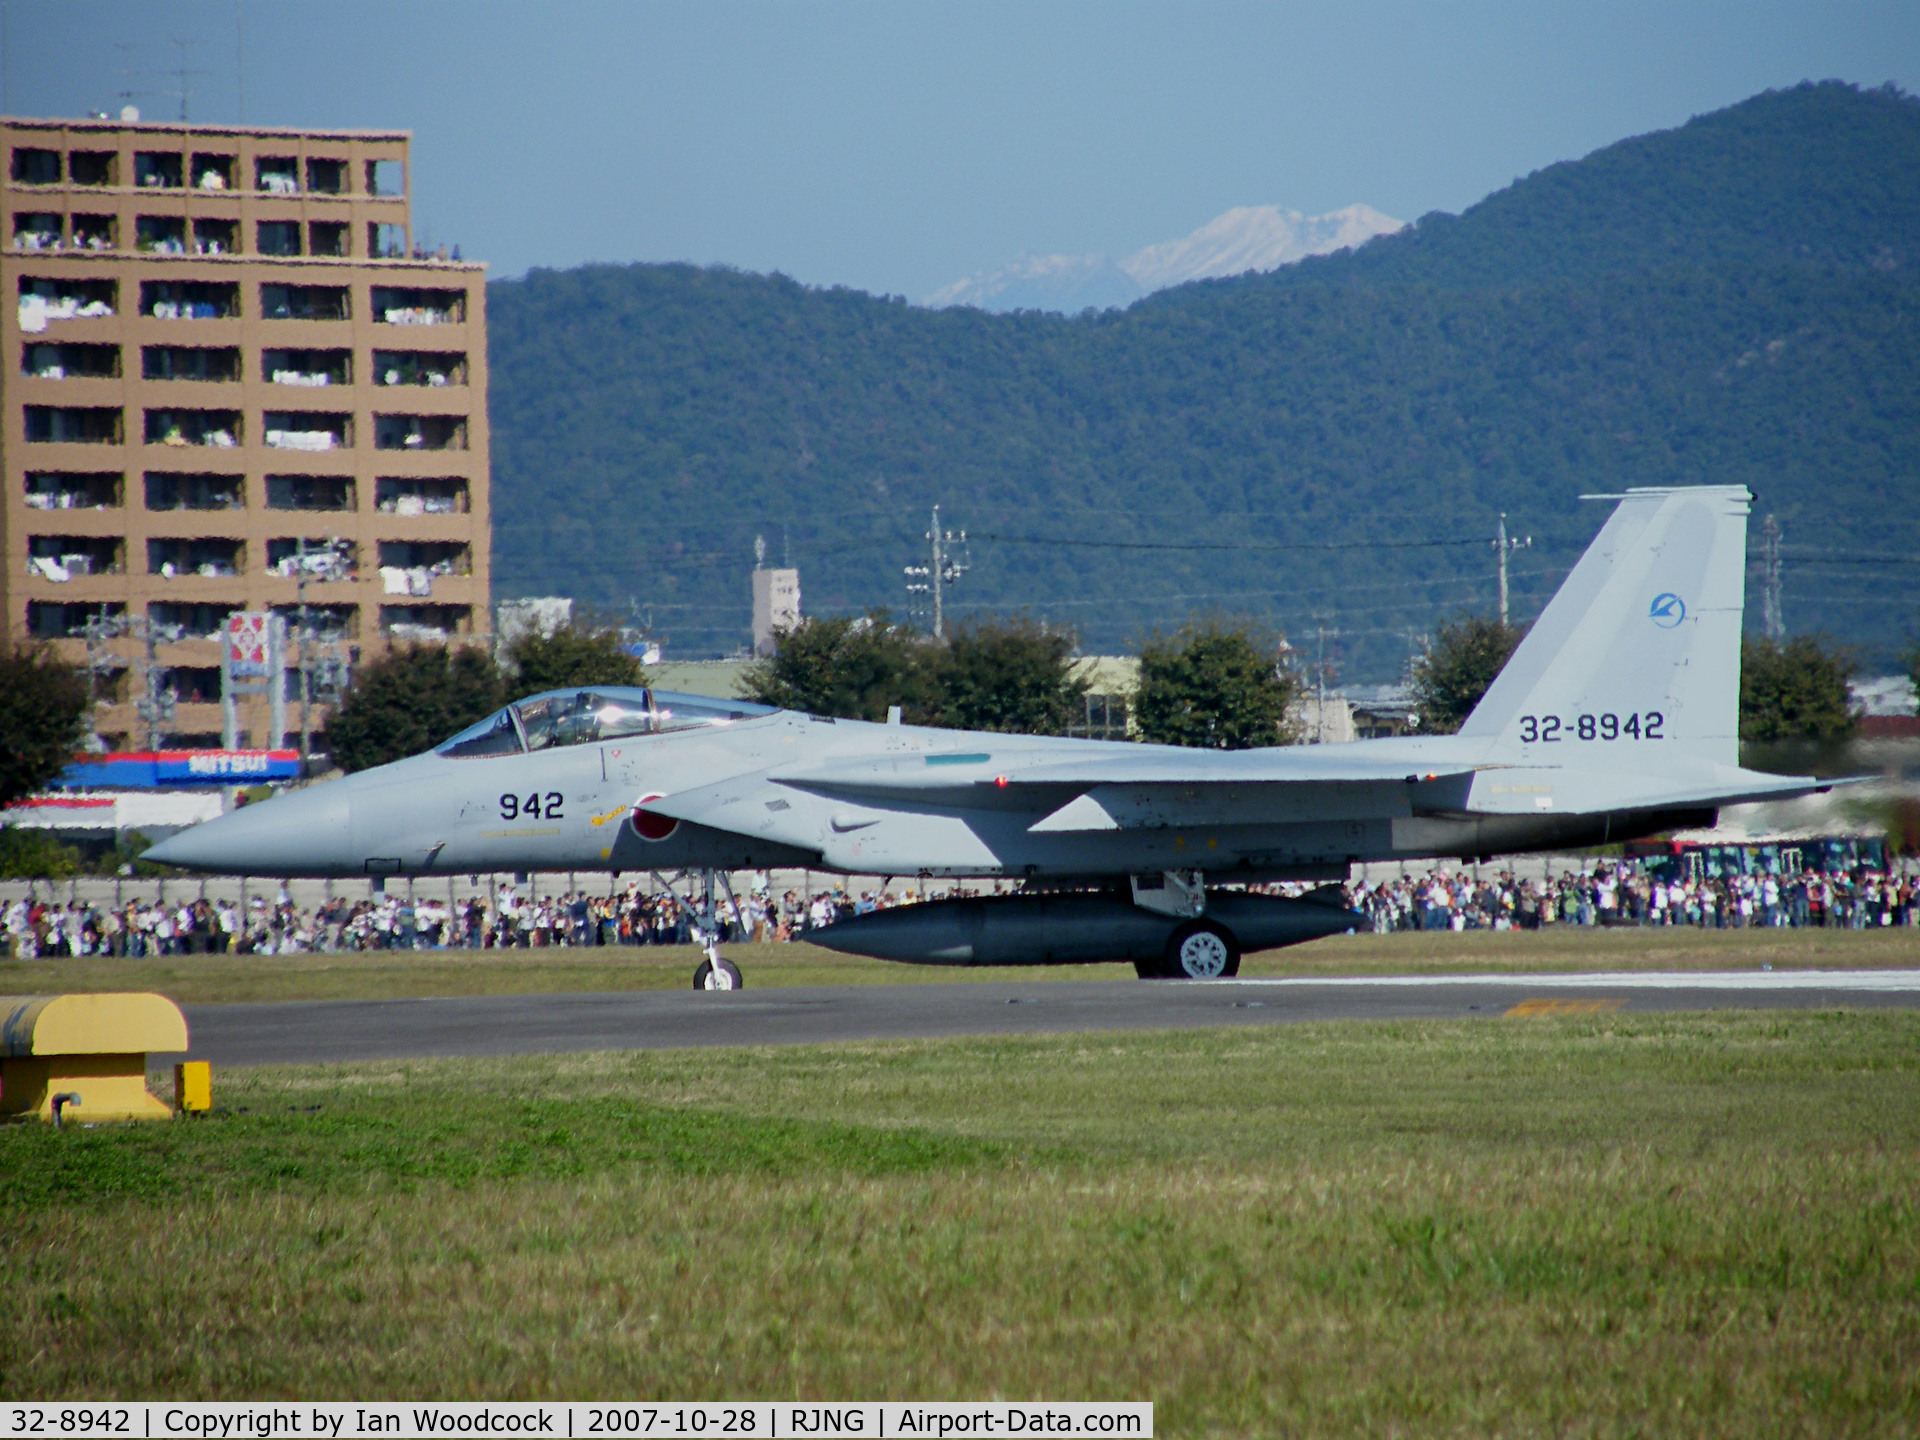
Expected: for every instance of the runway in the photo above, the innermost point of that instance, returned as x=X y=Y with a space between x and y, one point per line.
x=317 y=1032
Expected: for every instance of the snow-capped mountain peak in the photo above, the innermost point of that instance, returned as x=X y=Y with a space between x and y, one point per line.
x=1251 y=237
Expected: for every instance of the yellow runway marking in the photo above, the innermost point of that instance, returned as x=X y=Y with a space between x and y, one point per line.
x=1566 y=1007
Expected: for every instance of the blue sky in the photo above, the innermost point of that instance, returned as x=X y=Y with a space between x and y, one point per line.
x=895 y=147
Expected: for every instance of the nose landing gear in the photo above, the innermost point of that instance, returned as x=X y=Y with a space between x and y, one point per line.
x=716 y=972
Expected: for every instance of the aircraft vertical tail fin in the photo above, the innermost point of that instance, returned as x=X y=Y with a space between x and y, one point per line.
x=1641 y=644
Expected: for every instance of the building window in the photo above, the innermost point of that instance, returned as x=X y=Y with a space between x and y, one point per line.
x=327 y=237
x=160 y=234
x=409 y=567
x=193 y=684
x=43 y=301
x=191 y=621
x=277 y=174
x=73 y=425
x=67 y=490
x=214 y=172
x=216 y=237
x=386 y=178
x=35 y=167
x=60 y=558
x=393 y=305
x=307 y=367
x=182 y=362
x=53 y=620
x=1104 y=717
x=205 y=558
x=303 y=302
x=70 y=362
x=168 y=491
x=34 y=232
x=419 y=367
x=189 y=300
x=325 y=623
x=425 y=622
x=311 y=492
x=277 y=237
x=95 y=232
x=395 y=495
x=419 y=432
x=215 y=429
x=307 y=430
x=386 y=242
x=158 y=170
x=326 y=177
x=96 y=168
x=323 y=559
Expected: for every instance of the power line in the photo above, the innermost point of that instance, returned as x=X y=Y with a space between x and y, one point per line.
x=1211 y=545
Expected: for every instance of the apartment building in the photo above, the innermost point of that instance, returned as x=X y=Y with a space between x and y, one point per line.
x=230 y=383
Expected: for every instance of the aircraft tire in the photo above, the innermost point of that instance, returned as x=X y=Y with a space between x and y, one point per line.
x=727 y=978
x=1201 y=950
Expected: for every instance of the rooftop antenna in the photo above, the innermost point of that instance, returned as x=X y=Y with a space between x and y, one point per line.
x=127 y=93
x=182 y=72
x=759 y=552
x=239 y=62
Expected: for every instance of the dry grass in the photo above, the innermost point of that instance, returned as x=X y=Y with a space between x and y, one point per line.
x=1615 y=1225
x=388 y=974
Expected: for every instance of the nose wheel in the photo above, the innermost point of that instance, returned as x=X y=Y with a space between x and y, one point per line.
x=716 y=972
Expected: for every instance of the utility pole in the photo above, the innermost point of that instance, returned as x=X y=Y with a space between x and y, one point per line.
x=306 y=666
x=941 y=571
x=1323 y=634
x=1771 y=619
x=157 y=702
x=1505 y=547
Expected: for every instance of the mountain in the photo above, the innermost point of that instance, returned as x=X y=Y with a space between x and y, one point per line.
x=1253 y=237
x=1731 y=300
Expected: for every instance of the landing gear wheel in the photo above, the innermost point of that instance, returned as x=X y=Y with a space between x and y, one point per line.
x=717 y=974
x=1201 y=950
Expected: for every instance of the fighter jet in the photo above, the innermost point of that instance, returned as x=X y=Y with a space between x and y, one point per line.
x=1616 y=717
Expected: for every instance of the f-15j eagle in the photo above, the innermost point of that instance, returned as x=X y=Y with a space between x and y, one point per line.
x=1616 y=717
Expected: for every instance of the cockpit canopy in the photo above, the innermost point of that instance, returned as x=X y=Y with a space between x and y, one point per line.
x=585 y=717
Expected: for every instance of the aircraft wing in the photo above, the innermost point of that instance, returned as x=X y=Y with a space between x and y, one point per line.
x=1144 y=788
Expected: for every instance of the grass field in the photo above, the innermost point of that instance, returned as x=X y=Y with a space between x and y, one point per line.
x=387 y=974
x=1618 y=1225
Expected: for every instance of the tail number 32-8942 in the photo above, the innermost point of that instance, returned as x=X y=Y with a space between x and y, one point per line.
x=1549 y=729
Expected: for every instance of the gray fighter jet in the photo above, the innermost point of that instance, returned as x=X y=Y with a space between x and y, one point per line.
x=1616 y=717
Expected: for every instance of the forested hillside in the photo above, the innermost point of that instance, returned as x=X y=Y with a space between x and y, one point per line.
x=1734 y=300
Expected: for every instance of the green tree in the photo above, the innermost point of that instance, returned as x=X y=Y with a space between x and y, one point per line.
x=44 y=709
x=1449 y=679
x=575 y=654
x=409 y=701
x=1015 y=676
x=849 y=668
x=1795 y=690
x=36 y=855
x=1215 y=686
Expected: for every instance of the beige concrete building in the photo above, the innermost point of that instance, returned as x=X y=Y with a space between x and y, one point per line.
x=225 y=368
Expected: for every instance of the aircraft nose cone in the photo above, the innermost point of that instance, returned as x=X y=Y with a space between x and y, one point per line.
x=304 y=833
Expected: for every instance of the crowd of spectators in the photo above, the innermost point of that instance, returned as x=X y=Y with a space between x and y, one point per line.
x=220 y=925
x=1606 y=894
x=1624 y=895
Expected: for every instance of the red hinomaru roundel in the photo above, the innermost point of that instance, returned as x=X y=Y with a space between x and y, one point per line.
x=649 y=826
